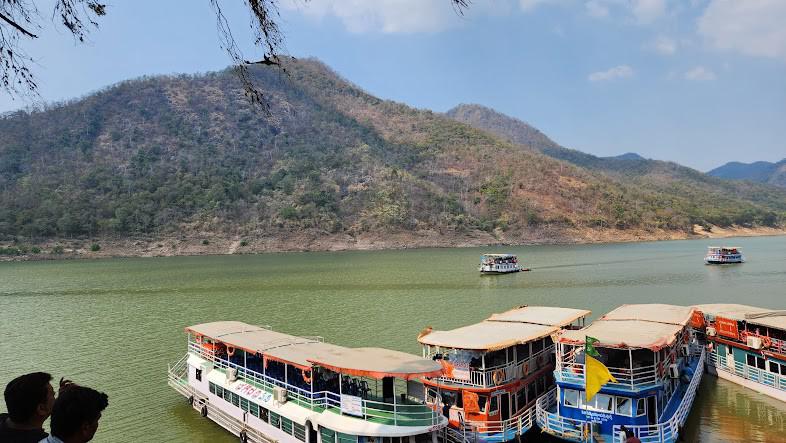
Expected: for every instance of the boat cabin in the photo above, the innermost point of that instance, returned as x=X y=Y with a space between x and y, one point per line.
x=723 y=255
x=498 y=264
x=291 y=388
x=495 y=370
x=656 y=361
x=746 y=345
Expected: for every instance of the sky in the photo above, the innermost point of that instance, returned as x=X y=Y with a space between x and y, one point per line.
x=699 y=82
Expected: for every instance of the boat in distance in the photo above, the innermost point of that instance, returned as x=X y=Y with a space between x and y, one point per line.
x=499 y=264
x=722 y=255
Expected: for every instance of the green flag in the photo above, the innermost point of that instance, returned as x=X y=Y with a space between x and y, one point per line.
x=589 y=347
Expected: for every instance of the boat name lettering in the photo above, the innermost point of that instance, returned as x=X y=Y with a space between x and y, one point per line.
x=251 y=391
x=596 y=416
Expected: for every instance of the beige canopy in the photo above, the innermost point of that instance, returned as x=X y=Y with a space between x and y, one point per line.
x=306 y=352
x=646 y=326
x=753 y=315
x=487 y=335
x=541 y=315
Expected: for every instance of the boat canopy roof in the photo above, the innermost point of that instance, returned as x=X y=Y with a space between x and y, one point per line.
x=723 y=247
x=499 y=255
x=753 y=315
x=541 y=315
x=517 y=326
x=645 y=326
x=307 y=352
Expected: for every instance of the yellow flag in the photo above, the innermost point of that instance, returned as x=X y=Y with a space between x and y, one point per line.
x=597 y=375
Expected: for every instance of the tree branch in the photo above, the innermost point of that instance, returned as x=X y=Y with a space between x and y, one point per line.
x=16 y=25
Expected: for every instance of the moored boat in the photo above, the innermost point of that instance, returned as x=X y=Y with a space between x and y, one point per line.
x=499 y=264
x=656 y=360
x=721 y=255
x=746 y=345
x=265 y=386
x=495 y=370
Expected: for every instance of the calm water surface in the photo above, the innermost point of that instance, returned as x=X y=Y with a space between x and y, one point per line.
x=115 y=324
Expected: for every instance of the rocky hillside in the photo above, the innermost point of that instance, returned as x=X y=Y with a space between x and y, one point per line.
x=188 y=156
x=709 y=199
x=761 y=172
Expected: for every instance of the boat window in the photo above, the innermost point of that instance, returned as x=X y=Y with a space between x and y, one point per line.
x=212 y=388
x=244 y=404
x=299 y=431
x=571 y=397
x=537 y=346
x=219 y=391
x=482 y=403
x=531 y=390
x=775 y=367
x=624 y=406
x=328 y=435
x=751 y=360
x=431 y=396
x=286 y=425
x=604 y=402
x=521 y=397
x=761 y=363
x=459 y=400
x=493 y=409
x=235 y=399
x=254 y=409
x=640 y=408
x=783 y=369
x=199 y=374
x=346 y=438
x=275 y=420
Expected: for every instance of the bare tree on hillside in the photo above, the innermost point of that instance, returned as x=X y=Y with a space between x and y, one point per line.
x=20 y=20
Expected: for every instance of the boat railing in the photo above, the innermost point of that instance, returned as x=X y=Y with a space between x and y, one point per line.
x=557 y=425
x=778 y=346
x=745 y=371
x=501 y=374
x=627 y=378
x=398 y=414
x=669 y=430
x=500 y=430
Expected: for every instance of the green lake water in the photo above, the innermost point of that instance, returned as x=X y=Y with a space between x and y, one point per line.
x=115 y=324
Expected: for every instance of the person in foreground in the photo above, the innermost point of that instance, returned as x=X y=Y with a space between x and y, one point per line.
x=75 y=415
x=29 y=399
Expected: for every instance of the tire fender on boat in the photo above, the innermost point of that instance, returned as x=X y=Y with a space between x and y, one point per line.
x=203 y=411
x=191 y=400
x=243 y=436
x=498 y=376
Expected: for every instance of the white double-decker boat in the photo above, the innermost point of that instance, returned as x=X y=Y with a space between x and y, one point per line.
x=499 y=264
x=721 y=255
x=265 y=386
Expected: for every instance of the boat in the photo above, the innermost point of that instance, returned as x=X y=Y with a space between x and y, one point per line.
x=494 y=371
x=499 y=264
x=721 y=255
x=746 y=345
x=266 y=386
x=657 y=361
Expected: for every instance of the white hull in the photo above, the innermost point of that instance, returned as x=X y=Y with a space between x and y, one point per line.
x=750 y=384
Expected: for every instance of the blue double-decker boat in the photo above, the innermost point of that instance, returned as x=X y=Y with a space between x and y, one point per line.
x=657 y=363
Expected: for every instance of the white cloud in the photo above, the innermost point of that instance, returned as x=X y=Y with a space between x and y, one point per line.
x=700 y=73
x=597 y=9
x=664 y=45
x=528 y=5
x=387 y=16
x=647 y=11
x=751 y=27
x=621 y=71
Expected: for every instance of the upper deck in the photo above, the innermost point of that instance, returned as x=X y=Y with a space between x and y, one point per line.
x=636 y=342
x=737 y=322
x=357 y=385
x=501 y=349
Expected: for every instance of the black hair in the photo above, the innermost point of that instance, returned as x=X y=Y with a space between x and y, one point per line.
x=74 y=407
x=24 y=393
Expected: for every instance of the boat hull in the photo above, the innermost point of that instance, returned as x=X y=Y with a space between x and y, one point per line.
x=750 y=384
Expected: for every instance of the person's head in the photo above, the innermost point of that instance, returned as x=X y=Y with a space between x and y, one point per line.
x=29 y=398
x=76 y=413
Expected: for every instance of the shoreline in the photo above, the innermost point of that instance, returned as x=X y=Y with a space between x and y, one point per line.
x=207 y=244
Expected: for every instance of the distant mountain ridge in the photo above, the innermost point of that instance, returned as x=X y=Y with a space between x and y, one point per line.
x=761 y=171
x=189 y=156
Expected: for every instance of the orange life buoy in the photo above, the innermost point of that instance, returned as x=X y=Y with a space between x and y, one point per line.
x=766 y=342
x=498 y=376
x=199 y=339
x=230 y=351
x=306 y=378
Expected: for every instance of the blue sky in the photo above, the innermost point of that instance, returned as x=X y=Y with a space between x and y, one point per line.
x=700 y=82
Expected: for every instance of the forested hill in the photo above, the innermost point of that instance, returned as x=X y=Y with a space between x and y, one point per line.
x=762 y=172
x=721 y=202
x=189 y=155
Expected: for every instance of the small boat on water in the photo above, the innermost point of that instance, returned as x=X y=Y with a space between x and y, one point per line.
x=721 y=255
x=499 y=264
x=495 y=371
x=746 y=345
x=657 y=361
x=265 y=386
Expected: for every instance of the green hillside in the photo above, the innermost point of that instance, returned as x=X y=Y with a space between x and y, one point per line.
x=186 y=155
